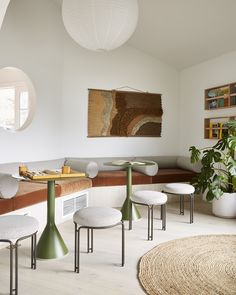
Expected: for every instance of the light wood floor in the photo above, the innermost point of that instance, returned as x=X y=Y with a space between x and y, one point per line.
x=101 y=273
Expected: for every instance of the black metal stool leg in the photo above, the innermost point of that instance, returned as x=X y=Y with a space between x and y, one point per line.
x=191 y=207
x=33 y=251
x=16 y=269
x=181 y=204
x=78 y=250
x=163 y=209
x=123 y=244
x=150 y=226
x=90 y=240
x=11 y=268
x=148 y=219
x=76 y=245
x=152 y=222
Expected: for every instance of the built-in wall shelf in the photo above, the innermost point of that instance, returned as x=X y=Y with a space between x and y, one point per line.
x=220 y=97
x=214 y=127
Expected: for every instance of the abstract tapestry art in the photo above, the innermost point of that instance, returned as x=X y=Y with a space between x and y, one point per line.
x=124 y=113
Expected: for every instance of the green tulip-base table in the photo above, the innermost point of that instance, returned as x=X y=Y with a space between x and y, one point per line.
x=51 y=244
x=128 y=165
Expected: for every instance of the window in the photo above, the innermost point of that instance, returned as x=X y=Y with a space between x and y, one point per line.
x=7 y=107
x=17 y=99
x=14 y=106
x=24 y=107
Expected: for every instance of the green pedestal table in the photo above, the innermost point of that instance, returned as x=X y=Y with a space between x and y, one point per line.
x=125 y=210
x=51 y=244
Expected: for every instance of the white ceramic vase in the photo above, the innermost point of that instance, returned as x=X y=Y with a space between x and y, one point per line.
x=225 y=206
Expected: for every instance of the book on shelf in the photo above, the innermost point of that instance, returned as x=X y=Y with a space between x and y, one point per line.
x=210 y=131
x=220 y=131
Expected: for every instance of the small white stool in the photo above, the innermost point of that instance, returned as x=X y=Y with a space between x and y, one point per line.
x=182 y=189
x=95 y=218
x=150 y=199
x=14 y=228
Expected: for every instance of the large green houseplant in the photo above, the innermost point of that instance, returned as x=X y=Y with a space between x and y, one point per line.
x=218 y=172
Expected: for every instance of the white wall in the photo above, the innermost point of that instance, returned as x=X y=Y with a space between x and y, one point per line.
x=33 y=39
x=125 y=66
x=30 y=39
x=193 y=82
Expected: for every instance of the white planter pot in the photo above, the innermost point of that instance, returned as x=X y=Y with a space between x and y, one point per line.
x=225 y=206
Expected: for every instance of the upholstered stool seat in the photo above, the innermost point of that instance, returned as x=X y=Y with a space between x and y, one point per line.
x=182 y=189
x=14 y=228
x=97 y=216
x=150 y=199
x=92 y=218
x=179 y=188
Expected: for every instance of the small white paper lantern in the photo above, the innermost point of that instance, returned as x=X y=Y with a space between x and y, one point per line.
x=3 y=9
x=100 y=24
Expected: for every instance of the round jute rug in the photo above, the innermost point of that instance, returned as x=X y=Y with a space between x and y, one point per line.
x=197 y=265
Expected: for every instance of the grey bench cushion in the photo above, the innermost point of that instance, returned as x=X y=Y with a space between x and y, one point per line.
x=149 y=170
x=8 y=186
x=88 y=166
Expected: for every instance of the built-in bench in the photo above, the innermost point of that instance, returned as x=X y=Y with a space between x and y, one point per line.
x=112 y=178
x=31 y=193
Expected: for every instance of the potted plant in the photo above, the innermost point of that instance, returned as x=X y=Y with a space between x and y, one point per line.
x=218 y=173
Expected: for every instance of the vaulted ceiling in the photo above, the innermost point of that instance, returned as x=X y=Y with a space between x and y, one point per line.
x=183 y=33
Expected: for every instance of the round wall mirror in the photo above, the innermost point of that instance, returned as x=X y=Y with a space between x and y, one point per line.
x=17 y=99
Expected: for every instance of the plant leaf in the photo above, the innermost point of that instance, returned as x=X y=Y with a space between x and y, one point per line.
x=195 y=154
x=232 y=142
x=210 y=196
x=217 y=192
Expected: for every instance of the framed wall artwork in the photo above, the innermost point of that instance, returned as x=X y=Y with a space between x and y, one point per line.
x=124 y=113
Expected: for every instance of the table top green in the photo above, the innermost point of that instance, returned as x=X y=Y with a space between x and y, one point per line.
x=123 y=163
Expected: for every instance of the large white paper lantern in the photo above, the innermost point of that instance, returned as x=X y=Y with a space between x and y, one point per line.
x=3 y=9
x=100 y=24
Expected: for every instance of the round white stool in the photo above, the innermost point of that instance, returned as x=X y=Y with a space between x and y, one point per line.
x=95 y=218
x=182 y=189
x=150 y=199
x=14 y=228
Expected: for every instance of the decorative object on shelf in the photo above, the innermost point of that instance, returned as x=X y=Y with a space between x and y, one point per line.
x=100 y=25
x=124 y=113
x=233 y=100
x=221 y=102
x=220 y=97
x=212 y=93
x=215 y=128
x=218 y=174
x=3 y=8
x=213 y=104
